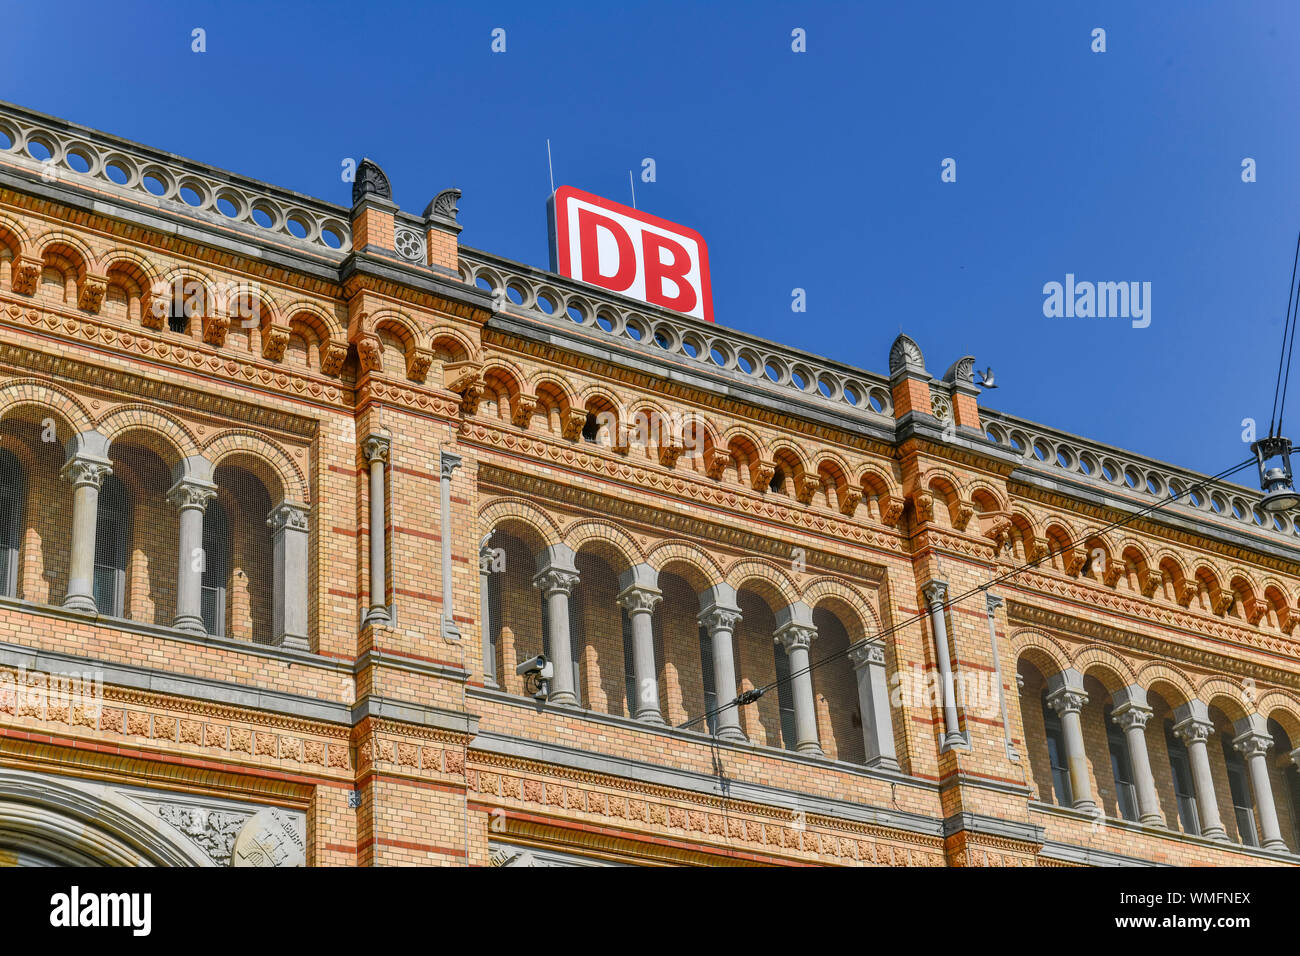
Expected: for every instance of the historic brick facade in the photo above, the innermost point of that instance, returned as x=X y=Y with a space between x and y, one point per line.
x=244 y=433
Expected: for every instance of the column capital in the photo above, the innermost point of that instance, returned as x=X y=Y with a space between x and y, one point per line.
x=376 y=446
x=935 y=593
x=191 y=493
x=1129 y=716
x=556 y=570
x=795 y=637
x=448 y=461
x=1065 y=693
x=718 y=608
x=794 y=627
x=1295 y=757
x=287 y=514
x=636 y=598
x=82 y=469
x=1192 y=730
x=1251 y=736
x=866 y=653
x=993 y=601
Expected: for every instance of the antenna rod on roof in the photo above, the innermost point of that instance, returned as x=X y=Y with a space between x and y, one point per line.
x=631 y=182
x=550 y=168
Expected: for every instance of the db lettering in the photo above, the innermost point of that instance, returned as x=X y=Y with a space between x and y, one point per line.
x=630 y=252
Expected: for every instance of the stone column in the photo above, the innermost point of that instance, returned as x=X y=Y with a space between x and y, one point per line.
x=86 y=468
x=991 y=604
x=190 y=494
x=1066 y=697
x=448 y=462
x=1253 y=742
x=486 y=558
x=288 y=524
x=795 y=631
x=936 y=593
x=1193 y=727
x=556 y=576
x=873 y=701
x=376 y=448
x=719 y=615
x=639 y=593
x=1131 y=712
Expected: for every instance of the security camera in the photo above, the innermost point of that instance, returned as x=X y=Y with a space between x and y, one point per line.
x=531 y=665
x=537 y=672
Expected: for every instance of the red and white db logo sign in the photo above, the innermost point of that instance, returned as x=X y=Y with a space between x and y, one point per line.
x=624 y=250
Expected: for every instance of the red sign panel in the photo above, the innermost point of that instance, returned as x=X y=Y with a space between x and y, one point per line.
x=625 y=250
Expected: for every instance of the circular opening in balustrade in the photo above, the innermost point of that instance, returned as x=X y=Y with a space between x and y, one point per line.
x=852 y=395
x=7 y=138
x=606 y=323
x=486 y=285
x=117 y=173
x=78 y=160
x=515 y=293
x=575 y=313
x=545 y=303
x=39 y=149
x=190 y=197
x=261 y=217
x=297 y=228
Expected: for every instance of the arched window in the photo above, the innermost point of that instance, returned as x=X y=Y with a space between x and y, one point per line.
x=12 y=502
x=1056 y=755
x=216 y=567
x=1184 y=793
x=785 y=695
x=112 y=532
x=1243 y=806
x=1121 y=767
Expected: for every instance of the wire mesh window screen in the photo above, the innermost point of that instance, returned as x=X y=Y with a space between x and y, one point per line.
x=112 y=533
x=216 y=567
x=245 y=567
x=12 y=505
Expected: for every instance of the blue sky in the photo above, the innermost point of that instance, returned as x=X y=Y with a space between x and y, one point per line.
x=818 y=170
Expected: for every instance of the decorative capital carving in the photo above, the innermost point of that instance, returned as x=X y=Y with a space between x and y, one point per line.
x=965 y=512
x=716 y=461
x=865 y=653
x=1193 y=730
x=574 y=422
x=760 y=475
x=1066 y=700
x=935 y=592
x=275 y=338
x=332 y=355
x=1152 y=581
x=1115 y=569
x=638 y=599
x=795 y=637
x=992 y=602
x=891 y=509
x=376 y=447
x=850 y=497
x=91 y=294
x=448 y=462
x=521 y=411
x=806 y=486
x=1074 y=560
x=1223 y=601
x=371 y=353
x=418 y=362
x=552 y=580
x=191 y=493
x=717 y=619
x=670 y=451
x=1130 y=715
x=217 y=327
x=83 y=470
x=923 y=502
x=287 y=515
x=25 y=275
x=1252 y=744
